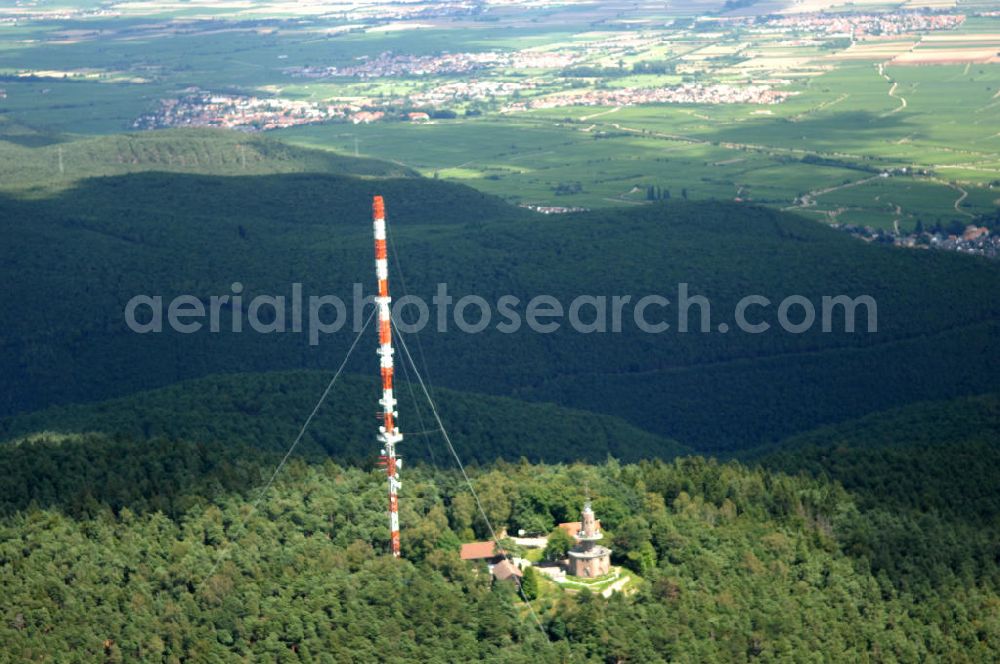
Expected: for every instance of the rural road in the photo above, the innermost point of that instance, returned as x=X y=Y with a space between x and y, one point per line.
x=892 y=91
x=584 y=118
x=808 y=199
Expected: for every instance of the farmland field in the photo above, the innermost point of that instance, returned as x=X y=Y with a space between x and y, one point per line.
x=550 y=120
x=614 y=154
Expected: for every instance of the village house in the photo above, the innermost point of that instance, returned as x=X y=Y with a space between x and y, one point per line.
x=974 y=232
x=367 y=117
x=496 y=561
x=481 y=551
x=506 y=571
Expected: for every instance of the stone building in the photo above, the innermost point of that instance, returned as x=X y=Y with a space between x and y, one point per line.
x=588 y=558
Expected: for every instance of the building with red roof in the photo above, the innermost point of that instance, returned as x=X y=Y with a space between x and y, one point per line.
x=479 y=551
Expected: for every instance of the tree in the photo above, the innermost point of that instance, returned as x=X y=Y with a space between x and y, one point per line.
x=632 y=544
x=558 y=544
x=644 y=558
x=462 y=512
x=507 y=544
x=428 y=533
x=529 y=583
x=535 y=523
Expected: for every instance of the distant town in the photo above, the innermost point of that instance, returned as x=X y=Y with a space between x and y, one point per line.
x=686 y=93
x=975 y=240
x=388 y=64
x=749 y=89
x=533 y=78
x=859 y=26
x=251 y=113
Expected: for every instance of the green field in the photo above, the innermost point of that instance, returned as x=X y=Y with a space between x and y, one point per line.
x=849 y=117
x=844 y=117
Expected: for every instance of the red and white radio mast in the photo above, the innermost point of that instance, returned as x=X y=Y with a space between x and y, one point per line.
x=388 y=432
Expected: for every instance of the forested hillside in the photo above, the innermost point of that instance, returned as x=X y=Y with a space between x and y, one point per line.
x=73 y=259
x=34 y=163
x=735 y=564
x=974 y=418
x=925 y=476
x=930 y=457
x=265 y=411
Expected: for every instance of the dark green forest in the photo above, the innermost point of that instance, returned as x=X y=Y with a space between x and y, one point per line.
x=925 y=476
x=265 y=411
x=880 y=552
x=168 y=561
x=77 y=256
x=776 y=497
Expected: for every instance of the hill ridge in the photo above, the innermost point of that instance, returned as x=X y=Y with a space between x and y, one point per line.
x=257 y=410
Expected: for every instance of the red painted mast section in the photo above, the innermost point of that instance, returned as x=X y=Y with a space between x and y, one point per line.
x=389 y=433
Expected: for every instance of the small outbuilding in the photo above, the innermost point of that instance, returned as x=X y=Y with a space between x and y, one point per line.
x=506 y=571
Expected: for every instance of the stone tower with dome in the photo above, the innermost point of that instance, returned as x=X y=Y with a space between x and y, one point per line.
x=588 y=558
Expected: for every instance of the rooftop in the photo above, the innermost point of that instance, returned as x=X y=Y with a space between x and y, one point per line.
x=505 y=570
x=478 y=551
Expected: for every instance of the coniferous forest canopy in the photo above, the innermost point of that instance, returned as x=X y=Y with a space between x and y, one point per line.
x=826 y=495
x=737 y=563
x=84 y=252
